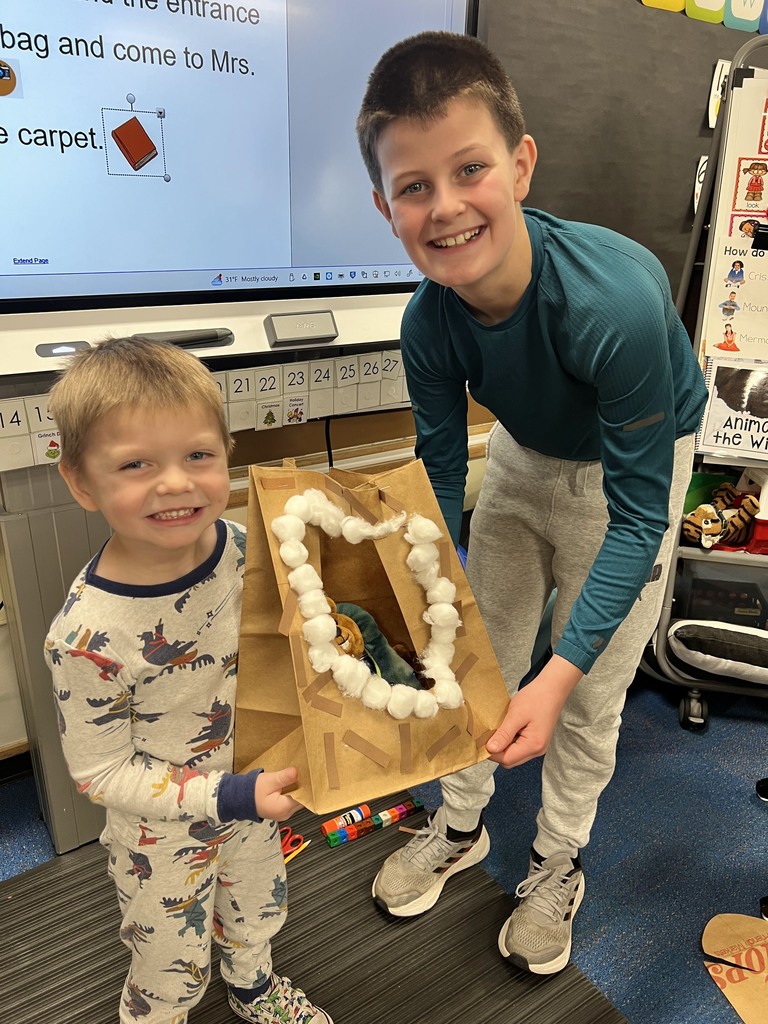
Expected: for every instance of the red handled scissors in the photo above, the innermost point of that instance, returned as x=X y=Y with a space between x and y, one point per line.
x=290 y=841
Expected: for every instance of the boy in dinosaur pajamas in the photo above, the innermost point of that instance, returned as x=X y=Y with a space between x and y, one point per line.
x=144 y=662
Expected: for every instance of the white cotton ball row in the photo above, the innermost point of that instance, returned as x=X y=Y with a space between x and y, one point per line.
x=427 y=577
x=323 y=656
x=442 y=614
x=437 y=654
x=448 y=695
x=351 y=676
x=402 y=700
x=288 y=528
x=422 y=530
x=354 y=529
x=313 y=603
x=376 y=693
x=320 y=630
x=293 y=553
x=303 y=579
x=441 y=590
x=421 y=556
x=299 y=505
x=426 y=705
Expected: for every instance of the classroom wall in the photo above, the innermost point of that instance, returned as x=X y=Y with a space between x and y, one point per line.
x=615 y=94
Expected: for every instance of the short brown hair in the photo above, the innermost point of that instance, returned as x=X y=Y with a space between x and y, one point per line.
x=128 y=372
x=418 y=77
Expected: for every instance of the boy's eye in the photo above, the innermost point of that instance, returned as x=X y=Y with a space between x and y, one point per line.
x=135 y=464
x=471 y=169
x=197 y=456
x=414 y=189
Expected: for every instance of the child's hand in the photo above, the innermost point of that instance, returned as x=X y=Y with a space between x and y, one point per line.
x=271 y=802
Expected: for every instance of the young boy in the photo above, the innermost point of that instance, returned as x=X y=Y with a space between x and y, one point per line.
x=144 y=663
x=568 y=334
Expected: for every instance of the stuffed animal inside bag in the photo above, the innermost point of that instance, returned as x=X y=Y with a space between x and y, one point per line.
x=358 y=634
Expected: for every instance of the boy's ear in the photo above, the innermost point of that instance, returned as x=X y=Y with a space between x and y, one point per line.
x=525 y=161
x=77 y=488
x=382 y=206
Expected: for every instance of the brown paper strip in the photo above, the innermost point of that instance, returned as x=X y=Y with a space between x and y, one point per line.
x=357 y=506
x=289 y=610
x=316 y=686
x=461 y=630
x=406 y=748
x=465 y=667
x=278 y=483
x=470 y=717
x=445 y=558
x=331 y=768
x=483 y=738
x=297 y=653
x=331 y=707
x=445 y=740
x=391 y=501
x=333 y=486
x=362 y=746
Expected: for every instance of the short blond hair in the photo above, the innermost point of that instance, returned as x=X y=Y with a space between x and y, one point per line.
x=418 y=77
x=136 y=373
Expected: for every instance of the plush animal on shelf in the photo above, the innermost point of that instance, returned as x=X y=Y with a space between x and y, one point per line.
x=358 y=634
x=726 y=520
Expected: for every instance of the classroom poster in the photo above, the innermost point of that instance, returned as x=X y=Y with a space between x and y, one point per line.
x=735 y=420
x=735 y=321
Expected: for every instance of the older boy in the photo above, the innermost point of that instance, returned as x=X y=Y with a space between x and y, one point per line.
x=568 y=334
x=144 y=662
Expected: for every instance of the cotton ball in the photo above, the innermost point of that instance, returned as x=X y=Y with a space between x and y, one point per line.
x=320 y=630
x=389 y=526
x=427 y=577
x=323 y=656
x=420 y=556
x=376 y=693
x=317 y=504
x=313 y=603
x=351 y=676
x=304 y=578
x=422 y=530
x=299 y=505
x=448 y=695
x=426 y=705
x=288 y=528
x=444 y=634
x=354 y=529
x=438 y=654
x=442 y=614
x=441 y=590
x=402 y=700
x=293 y=553
x=331 y=519
x=441 y=674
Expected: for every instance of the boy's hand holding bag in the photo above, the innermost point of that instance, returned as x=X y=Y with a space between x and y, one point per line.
x=379 y=542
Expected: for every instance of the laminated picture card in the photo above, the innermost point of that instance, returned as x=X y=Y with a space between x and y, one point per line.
x=363 y=658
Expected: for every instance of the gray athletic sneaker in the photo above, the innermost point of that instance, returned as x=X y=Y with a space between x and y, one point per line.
x=411 y=879
x=537 y=937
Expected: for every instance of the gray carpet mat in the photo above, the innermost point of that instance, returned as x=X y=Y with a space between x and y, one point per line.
x=61 y=961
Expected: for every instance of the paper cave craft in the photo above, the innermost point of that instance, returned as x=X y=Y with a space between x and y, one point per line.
x=301 y=701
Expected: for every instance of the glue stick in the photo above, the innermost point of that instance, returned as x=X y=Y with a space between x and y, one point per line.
x=348 y=818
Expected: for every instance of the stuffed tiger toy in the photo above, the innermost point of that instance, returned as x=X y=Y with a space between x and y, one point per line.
x=719 y=522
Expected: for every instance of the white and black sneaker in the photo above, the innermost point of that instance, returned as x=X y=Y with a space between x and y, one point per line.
x=411 y=879
x=537 y=937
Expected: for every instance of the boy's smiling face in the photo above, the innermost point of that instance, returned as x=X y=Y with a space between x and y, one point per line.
x=161 y=480
x=452 y=191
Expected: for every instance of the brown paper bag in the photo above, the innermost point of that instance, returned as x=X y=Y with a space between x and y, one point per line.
x=740 y=970
x=288 y=714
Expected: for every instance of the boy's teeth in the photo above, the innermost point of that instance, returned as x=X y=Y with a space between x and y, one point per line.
x=446 y=243
x=178 y=513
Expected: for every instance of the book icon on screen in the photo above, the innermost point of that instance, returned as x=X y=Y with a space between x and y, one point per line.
x=134 y=143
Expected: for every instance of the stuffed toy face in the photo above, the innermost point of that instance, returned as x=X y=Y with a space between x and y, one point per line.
x=348 y=636
x=702 y=526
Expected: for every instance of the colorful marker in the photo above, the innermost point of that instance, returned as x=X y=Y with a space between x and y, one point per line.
x=348 y=818
x=352 y=831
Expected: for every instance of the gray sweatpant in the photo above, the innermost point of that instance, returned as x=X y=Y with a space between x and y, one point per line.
x=538 y=524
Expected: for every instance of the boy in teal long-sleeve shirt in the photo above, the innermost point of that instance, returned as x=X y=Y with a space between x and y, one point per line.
x=568 y=334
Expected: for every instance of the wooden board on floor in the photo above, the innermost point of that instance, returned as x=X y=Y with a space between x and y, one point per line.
x=61 y=960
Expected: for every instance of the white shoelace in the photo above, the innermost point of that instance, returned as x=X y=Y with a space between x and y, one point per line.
x=546 y=892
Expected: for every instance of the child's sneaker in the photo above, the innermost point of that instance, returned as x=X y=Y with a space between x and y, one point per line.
x=411 y=879
x=283 y=1004
x=537 y=937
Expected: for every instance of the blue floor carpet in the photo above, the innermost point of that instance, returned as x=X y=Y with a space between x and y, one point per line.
x=680 y=836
